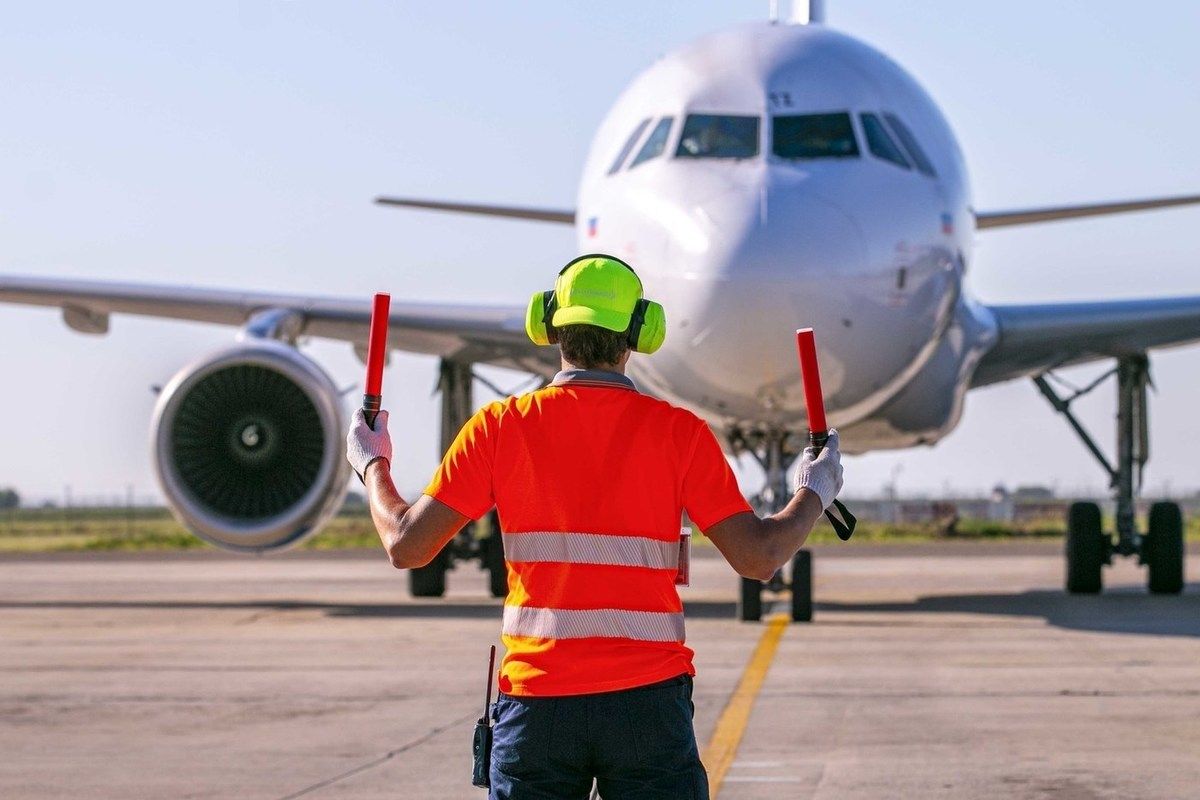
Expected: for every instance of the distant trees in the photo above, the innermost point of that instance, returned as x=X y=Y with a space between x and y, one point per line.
x=9 y=498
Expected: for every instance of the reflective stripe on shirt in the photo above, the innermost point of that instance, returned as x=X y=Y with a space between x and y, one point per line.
x=611 y=623
x=591 y=548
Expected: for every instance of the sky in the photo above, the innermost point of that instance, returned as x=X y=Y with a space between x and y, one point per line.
x=233 y=144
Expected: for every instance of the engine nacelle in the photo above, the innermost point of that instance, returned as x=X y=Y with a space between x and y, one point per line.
x=249 y=447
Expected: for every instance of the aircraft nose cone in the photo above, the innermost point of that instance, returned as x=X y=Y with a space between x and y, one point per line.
x=784 y=231
x=771 y=262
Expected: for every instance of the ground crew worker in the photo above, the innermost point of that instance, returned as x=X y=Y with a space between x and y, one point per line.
x=590 y=479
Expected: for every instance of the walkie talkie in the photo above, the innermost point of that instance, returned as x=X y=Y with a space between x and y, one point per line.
x=482 y=746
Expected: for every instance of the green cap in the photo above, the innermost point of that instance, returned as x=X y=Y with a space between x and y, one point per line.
x=598 y=291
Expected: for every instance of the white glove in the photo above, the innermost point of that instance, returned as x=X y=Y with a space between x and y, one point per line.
x=363 y=445
x=821 y=473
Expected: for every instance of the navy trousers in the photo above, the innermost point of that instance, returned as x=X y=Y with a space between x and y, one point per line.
x=638 y=744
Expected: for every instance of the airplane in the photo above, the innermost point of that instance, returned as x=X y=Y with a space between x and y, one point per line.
x=766 y=177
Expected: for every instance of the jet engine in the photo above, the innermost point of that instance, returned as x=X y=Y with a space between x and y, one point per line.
x=249 y=449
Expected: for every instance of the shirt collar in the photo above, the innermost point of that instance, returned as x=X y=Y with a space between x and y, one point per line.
x=593 y=377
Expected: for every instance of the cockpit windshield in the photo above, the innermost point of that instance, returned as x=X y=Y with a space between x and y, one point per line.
x=924 y=166
x=627 y=148
x=714 y=136
x=656 y=142
x=880 y=142
x=813 y=136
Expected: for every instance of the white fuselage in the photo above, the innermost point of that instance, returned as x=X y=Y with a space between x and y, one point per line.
x=743 y=249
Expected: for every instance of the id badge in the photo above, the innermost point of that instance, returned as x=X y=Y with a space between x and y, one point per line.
x=683 y=576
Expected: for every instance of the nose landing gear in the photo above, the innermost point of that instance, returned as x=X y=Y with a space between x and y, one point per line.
x=1088 y=546
x=775 y=451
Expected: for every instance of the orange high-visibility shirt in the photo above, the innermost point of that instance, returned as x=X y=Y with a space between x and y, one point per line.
x=590 y=479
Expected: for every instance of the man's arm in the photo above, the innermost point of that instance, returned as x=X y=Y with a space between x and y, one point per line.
x=756 y=547
x=411 y=534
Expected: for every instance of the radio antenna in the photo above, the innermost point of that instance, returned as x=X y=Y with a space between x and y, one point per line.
x=491 y=668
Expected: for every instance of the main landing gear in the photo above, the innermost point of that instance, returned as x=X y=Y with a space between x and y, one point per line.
x=455 y=384
x=1088 y=546
x=775 y=451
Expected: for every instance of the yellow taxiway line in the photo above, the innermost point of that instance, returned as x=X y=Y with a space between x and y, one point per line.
x=723 y=745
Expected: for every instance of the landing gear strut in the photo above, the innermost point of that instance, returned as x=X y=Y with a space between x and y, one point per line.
x=455 y=380
x=775 y=451
x=1088 y=546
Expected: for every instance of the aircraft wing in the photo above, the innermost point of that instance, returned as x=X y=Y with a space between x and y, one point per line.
x=561 y=216
x=477 y=333
x=983 y=219
x=1026 y=216
x=1035 y=338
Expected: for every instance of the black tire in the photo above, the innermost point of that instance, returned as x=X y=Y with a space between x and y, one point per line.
x=802 y=586
x=1163 y=549
x=750 y=600
x=492 y=549
x=429 y=580
x=1086 y=549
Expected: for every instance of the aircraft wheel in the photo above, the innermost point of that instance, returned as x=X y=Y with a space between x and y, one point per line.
x=1163 y=549
x=429 y=580
x=492 y=547
x=750 y=600
x=1085 y=549
x=802 y=586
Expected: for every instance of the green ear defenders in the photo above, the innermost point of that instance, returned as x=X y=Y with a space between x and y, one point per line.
x=601 y=290
x=537 y=319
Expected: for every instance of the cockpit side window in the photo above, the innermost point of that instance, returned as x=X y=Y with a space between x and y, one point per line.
x=627 y=148
x=813 y=136
x=718 y=136
x=924 y=166
x=656 y=142
x=880 y=142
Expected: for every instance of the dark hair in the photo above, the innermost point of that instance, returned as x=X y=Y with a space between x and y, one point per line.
x=590 y=346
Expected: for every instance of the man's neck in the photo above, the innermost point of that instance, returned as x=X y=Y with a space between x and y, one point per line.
x=617 y=368
x=596 y=376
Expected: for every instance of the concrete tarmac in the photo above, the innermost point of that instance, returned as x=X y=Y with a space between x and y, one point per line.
x=931 y=671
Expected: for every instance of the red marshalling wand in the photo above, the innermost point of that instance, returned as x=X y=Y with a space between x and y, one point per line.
x=376 y=353
x=818 y=429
